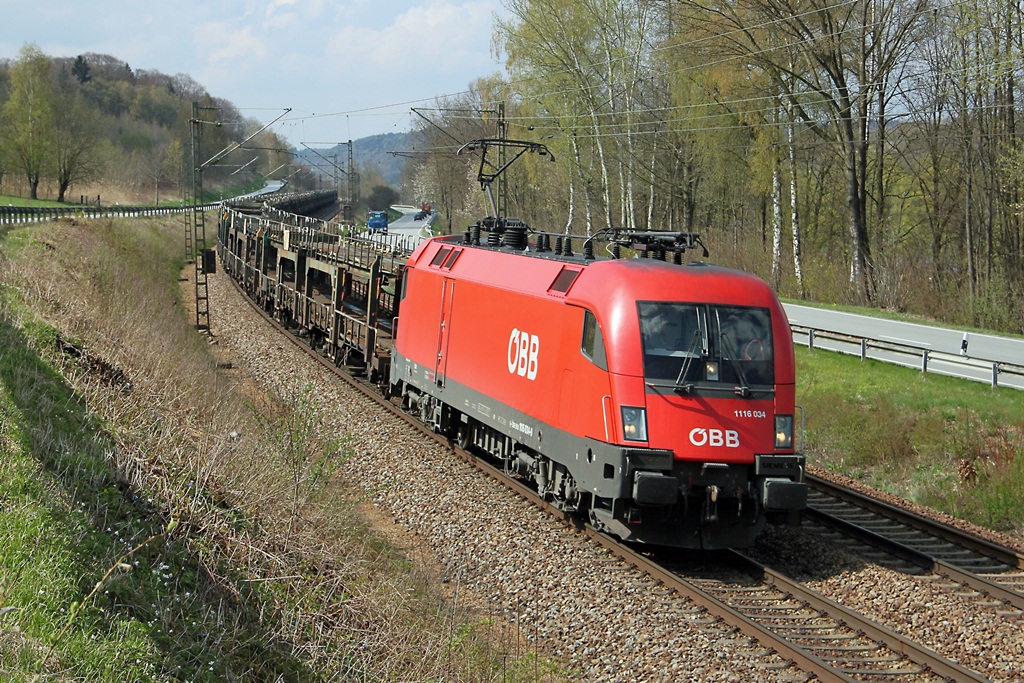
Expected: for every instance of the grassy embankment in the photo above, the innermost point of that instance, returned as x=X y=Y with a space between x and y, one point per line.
x=954 y=445
x=147 y=531
x=10 y=200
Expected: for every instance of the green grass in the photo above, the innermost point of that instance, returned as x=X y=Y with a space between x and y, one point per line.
x=70 y=514
x=952 y=444
x=68 y=519
x=209 y=196
x=10 y=200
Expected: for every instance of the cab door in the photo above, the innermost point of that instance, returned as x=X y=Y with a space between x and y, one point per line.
x=444 y=330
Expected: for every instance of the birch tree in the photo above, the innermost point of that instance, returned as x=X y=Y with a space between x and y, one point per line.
x=584 y=60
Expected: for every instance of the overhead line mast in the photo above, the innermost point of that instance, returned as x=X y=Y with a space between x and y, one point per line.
x=195 y=228
x=195 y=231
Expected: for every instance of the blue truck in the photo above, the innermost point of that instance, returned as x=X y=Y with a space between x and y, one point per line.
x=377 y=221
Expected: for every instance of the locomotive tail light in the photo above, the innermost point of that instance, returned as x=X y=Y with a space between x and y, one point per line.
x=711 y=371
x=634 y=423
x=784 y=431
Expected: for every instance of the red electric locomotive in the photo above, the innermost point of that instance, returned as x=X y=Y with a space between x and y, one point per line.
x=655 y=398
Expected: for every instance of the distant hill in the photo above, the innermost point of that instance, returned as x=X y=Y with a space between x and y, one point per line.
x=372 y=155
x=125 y=130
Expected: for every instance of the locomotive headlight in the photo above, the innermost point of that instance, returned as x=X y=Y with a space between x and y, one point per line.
x=784 y=431
x=634 y=424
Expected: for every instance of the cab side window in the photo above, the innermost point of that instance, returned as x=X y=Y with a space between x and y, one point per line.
x=405 y=283
x=593 y=341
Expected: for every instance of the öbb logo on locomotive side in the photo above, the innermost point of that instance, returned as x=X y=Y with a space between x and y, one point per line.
x=700 y=436
x=523 y=348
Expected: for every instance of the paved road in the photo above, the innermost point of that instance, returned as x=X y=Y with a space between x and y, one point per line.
x=407 y=225
x=405 y=232
x=943 y=344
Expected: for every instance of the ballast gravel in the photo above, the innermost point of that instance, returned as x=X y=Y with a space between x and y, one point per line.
x=556 y=593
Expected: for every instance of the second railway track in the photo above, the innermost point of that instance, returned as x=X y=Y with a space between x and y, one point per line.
x=910 y=541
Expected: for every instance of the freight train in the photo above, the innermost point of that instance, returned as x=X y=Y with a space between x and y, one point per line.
x=652 y=398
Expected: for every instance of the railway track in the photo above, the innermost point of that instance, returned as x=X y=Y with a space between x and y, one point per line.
x=915 y=544
x=823 y=639
x=821 y=636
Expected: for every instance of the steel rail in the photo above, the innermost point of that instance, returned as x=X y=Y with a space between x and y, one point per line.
x=920 y=559
x=881 y=634
x=802 y=657
x=964 y=539
x=982 y=582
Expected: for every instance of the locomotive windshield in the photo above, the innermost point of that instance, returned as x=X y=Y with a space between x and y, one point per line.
x=698 y=344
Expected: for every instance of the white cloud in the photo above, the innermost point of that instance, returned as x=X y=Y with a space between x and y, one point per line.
x=430 y=37
x=281 y=15
x=274 y=4
x=224 y=42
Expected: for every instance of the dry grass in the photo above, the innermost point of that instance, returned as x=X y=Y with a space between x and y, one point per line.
x=269 y=573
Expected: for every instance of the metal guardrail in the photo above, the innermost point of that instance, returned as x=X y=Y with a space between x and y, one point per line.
x=10 y=215
x=909 y=355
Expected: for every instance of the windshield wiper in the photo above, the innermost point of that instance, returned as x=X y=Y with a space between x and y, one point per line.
x=691 y=353
x=743 y=390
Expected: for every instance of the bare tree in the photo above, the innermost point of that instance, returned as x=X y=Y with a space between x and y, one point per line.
x=837 y=58
x=74 y=144
x=438 y=174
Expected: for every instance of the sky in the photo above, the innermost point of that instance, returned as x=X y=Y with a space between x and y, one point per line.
x=347 y=69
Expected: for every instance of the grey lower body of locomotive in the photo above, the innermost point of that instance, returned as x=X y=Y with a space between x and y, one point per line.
x=637 y=494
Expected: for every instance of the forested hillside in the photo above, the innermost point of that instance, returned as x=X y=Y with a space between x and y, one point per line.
x=93 y=120
x=851 y=152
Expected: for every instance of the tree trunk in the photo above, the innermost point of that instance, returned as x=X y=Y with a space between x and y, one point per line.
x=776 y=216
x=860 y=258
x=794 y=206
